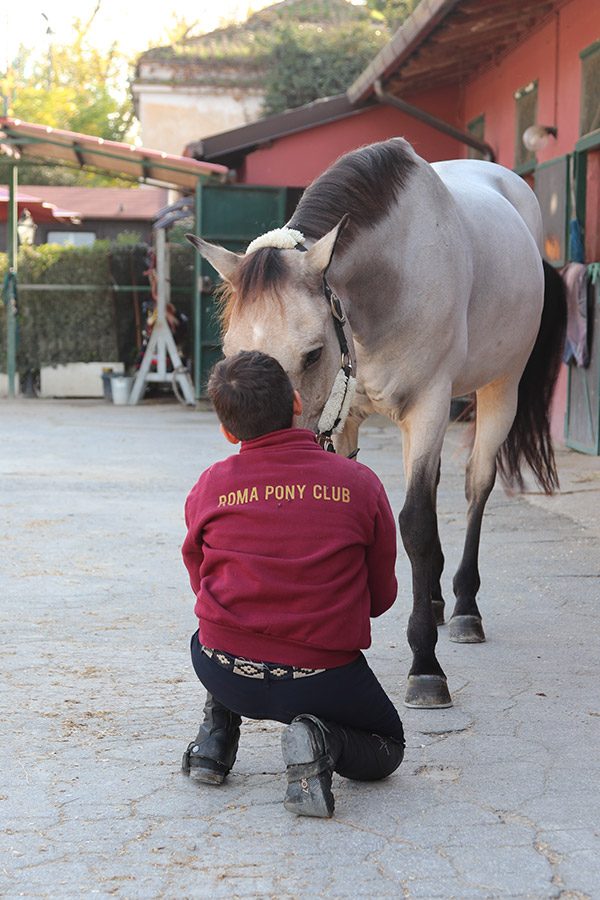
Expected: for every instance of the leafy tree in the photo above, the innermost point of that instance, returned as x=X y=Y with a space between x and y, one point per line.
x=76 y=87
x=392 y=12
x=308 y=62
x=305 y=61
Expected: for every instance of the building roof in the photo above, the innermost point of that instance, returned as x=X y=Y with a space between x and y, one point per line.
x=230 y=147
x=104 y=202
x=39 y=205
x=24 y=139
x=448 y=41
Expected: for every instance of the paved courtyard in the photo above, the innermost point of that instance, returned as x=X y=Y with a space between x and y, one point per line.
x=498 y=797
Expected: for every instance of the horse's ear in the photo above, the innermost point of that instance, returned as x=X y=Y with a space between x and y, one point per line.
x=224 y=261
x=320 y=254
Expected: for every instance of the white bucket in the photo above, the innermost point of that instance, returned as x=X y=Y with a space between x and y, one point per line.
x=121 y=389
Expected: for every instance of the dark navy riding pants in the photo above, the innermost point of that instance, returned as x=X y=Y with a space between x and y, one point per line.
x=349 y=696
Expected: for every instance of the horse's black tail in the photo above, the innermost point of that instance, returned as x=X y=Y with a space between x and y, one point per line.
x=529 y=438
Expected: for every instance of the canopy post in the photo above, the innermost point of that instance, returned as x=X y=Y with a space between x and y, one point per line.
x=10 y=282
x=198 y=294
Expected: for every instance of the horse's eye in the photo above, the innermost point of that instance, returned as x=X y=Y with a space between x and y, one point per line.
x=313 y=357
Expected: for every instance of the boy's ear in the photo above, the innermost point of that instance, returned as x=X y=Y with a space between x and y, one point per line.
x=228 y=435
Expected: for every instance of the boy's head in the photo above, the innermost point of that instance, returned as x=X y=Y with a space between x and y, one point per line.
x=252 y=395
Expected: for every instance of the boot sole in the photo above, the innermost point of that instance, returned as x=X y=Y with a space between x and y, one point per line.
x=306 y=796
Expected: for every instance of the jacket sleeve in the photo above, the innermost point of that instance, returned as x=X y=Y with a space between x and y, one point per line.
x=381 y=558
x=192 y=546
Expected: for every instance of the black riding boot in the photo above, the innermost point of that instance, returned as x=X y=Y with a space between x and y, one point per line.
x=313 y=750
x=212 y=754
x=310 y=752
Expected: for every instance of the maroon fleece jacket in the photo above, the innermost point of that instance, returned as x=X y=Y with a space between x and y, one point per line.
x=290 y=550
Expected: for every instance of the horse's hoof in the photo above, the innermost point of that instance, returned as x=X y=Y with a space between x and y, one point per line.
x=438 y=611
x=466 y=630
x=427 y=692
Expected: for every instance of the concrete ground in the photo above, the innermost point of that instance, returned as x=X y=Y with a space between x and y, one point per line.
x=498 y=797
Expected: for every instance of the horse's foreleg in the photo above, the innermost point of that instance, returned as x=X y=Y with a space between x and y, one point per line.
x=496 y=406
x=424 y=434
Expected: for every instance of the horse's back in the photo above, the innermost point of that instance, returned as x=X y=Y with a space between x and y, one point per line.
x=502 y=218
x=462 y=176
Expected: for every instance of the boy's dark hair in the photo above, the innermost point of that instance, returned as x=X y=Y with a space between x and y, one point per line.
x=252 y=394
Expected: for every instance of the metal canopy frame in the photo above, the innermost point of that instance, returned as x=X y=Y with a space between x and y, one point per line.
x=28 y=141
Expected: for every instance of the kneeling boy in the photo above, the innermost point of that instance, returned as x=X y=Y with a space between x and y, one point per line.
x=290 y=550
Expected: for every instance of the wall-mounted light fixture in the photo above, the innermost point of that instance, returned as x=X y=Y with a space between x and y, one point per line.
x=536 y=137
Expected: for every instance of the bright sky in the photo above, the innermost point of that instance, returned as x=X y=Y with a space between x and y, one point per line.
x=135 y=24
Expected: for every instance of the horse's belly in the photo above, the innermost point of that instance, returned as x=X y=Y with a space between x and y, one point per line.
x=499 y=344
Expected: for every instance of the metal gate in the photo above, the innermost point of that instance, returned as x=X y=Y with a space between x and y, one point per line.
x=230 y=215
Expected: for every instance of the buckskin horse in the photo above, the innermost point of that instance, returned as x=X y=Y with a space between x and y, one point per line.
x=428 y=279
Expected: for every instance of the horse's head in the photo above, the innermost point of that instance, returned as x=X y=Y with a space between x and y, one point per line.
x=274 y=301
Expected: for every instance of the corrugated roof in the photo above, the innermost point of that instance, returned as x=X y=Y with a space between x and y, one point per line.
x=70 y=148
x=104 y=202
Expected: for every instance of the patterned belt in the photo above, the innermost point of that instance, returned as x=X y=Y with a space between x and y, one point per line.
x=250 y=669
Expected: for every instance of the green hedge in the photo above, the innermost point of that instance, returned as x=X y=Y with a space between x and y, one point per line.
x=98 y=323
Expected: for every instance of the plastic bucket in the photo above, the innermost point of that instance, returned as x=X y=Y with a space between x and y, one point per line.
x=121 y=389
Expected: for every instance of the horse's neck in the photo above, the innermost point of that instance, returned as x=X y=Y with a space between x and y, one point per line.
x=361 y=277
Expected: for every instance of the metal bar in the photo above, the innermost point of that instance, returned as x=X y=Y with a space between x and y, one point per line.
x=66 y=287
x=10 y=299
x=197 y=295
x=433 y=121
x=118 y=289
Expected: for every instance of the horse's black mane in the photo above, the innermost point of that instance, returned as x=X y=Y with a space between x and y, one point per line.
x=363 y=183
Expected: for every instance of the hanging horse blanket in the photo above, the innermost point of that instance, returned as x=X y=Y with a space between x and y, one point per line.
x=575 y=277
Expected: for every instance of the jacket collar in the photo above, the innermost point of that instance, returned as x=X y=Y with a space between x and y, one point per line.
x=287 y=438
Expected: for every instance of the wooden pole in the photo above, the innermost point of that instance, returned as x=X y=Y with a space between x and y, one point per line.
x=198 y=295
x=10 y=297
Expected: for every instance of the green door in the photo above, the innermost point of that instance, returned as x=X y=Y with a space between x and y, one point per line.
x=231 y=215
x=582 y=422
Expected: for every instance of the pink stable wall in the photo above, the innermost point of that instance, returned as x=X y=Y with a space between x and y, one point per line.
x=551 y=57
x=295 y=160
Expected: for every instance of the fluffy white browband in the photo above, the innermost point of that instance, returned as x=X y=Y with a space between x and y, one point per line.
x=338 y=404
x=281 y=238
